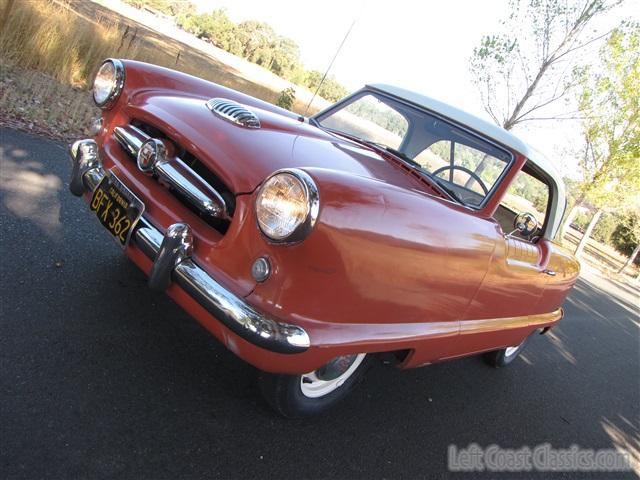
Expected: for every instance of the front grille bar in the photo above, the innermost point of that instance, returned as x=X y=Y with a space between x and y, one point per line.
x=176 y=174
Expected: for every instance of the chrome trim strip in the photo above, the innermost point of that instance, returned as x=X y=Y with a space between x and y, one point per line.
x=130 y=138
x=468 y=327
x=174 y=249
x=182 y=178
x=174 y=173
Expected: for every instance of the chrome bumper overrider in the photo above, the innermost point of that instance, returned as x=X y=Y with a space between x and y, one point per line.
x=171 y=256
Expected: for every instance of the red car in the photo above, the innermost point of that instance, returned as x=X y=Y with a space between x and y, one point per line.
x=389 y=223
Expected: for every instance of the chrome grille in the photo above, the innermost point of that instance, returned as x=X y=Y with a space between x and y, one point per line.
x=174 y=173
x=233 y=112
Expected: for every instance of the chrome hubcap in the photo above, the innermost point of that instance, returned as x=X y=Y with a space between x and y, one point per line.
x=510 y=350
x=331 y=376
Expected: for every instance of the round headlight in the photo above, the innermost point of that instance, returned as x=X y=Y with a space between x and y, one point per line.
x=108 y=83
x=287 y=206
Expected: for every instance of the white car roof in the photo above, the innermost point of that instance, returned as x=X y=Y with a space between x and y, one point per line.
x=492 y=131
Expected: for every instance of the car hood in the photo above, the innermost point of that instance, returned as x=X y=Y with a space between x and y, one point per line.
x=243 y=157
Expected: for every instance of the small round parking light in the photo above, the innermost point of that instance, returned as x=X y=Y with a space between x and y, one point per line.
x=261 y=269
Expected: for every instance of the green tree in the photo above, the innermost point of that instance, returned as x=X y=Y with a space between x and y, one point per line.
x=329 y=90
x=255 y=41
x=523 y=68
x=286 y=98
x=215 y=27
x=626 y=238
x=610 y=104
x=286 y=57
x=163 y=6
x=181 y=8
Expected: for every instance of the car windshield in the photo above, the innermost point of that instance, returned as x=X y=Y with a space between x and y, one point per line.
x=464 y=165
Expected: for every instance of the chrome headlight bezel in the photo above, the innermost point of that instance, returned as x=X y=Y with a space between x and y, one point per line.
x=117 y=84
x=312 y=199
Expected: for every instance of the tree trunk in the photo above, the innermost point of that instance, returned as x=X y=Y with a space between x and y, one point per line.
x=587 y=233
x=630 y=260
x=569 y=220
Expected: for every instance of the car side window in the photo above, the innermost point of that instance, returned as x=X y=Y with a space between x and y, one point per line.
x=470 y=172
x=526 y=194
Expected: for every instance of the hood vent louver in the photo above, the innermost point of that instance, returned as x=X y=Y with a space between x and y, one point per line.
x=233 y=112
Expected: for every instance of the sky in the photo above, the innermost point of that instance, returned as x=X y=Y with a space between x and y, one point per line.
x=422 y=45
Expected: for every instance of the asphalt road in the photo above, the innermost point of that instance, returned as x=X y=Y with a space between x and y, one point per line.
x=102 y=378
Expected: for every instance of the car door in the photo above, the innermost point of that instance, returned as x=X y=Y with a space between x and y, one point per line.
x=517 y=276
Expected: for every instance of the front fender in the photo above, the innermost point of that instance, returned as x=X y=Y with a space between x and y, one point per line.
x=379 y=254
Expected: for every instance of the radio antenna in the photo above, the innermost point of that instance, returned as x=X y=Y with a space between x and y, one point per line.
x=330 y=65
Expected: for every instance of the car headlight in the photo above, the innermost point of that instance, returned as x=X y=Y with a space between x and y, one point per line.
x=287 y=206
x=108 y=83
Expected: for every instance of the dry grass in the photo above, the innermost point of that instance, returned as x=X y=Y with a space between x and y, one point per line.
x=34 y=101
x=48 y=56
x=50 y=38
x=51 y=49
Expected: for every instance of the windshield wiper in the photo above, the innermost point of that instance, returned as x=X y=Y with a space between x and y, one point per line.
x=438 y=181
x=397 y=153
x=446 y=188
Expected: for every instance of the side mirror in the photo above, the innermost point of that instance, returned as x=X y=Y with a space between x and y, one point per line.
x=525 y=224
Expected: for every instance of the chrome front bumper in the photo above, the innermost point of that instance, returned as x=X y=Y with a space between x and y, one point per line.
x=171 y=256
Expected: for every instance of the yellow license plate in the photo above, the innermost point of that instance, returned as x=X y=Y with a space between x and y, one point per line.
x=117 y=208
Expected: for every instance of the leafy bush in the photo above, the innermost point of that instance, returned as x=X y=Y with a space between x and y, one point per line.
x=287 y=98
x=581 y=221
x=605 y=226
x=626 y=234
x=603 y=229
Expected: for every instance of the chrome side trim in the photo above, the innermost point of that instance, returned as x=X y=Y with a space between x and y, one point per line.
x=171 y=254
x=174 y=173
x=468 y=327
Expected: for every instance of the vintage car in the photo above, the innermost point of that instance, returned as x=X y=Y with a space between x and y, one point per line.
x=388 y=224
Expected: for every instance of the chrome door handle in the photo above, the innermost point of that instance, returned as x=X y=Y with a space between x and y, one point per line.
x=549 y=272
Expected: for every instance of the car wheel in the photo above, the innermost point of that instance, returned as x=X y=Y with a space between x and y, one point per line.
x=314 y=392
x=504 y=356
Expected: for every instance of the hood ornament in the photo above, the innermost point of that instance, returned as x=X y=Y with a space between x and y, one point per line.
x=233 y=112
